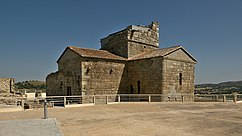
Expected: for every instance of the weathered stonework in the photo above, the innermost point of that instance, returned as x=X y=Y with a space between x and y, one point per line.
x=7 y=86
x=129 y=62
x=147 y=73
x=101 y=76
x=133 y=40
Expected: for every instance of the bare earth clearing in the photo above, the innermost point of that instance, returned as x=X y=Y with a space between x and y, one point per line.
x=155 y=119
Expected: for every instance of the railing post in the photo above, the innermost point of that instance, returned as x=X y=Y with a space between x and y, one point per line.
x=149 y=98
x=216 y=98
x=22 y=103
x=118 y=98
x=106 y=99
x=16 y=102
x=94 y=99
x=224 y=98
x=37 y=100
x=45 y=110
x=64 y=101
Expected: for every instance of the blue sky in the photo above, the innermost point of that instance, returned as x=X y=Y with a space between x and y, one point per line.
x=34 y=33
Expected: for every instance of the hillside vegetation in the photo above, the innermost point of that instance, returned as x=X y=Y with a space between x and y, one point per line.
x=32 y=84
x=221 y=88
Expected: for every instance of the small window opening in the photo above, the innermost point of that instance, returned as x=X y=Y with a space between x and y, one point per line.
x=78 y=80
x=111 y=71
x=180 y=78
x=61 y=84
x=87 y=71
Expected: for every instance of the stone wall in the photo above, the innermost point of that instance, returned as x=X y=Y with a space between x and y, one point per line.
x=67 y=77
x=135 y=48
x=102 y=77
x=86 y=76
x=53 y=85
x=7 y=86
x=178 y=75
x=116 y=43
x=147 y=74
x=142 y=39
x=133 y=40
x=145 y=34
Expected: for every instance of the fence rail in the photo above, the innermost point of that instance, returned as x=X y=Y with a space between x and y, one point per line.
x=69 y=101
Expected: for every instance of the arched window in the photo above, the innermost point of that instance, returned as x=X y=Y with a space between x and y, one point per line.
x=61 y=84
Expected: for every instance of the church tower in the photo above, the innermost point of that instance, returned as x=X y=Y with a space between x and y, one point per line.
x=133 y=40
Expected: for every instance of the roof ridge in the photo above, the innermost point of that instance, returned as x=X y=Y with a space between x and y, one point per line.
x=175 y=46
x=159 y=49
x=99 y=50
x=143 y=53
x=83 y=48
x=94 y=53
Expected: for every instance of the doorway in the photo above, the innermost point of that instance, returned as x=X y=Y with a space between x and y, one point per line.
x=131 y=89
x=68 y=91
x=138 y=83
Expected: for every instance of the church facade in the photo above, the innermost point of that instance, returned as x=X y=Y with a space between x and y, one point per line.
x=129 y=62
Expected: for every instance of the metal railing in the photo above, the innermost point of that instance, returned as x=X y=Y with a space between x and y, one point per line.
x=68 y=101
x=217 y=97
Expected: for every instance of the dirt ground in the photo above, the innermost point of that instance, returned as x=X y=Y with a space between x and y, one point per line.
x=155 y=119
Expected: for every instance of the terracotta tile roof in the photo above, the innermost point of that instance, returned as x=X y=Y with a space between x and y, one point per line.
x=159 y=53
x=91 y=53
x=103 y=54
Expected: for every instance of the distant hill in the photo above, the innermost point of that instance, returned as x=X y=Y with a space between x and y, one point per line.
x=32 y=84
x=221 y=88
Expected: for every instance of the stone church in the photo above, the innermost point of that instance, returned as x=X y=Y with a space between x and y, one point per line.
x=128 y=62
